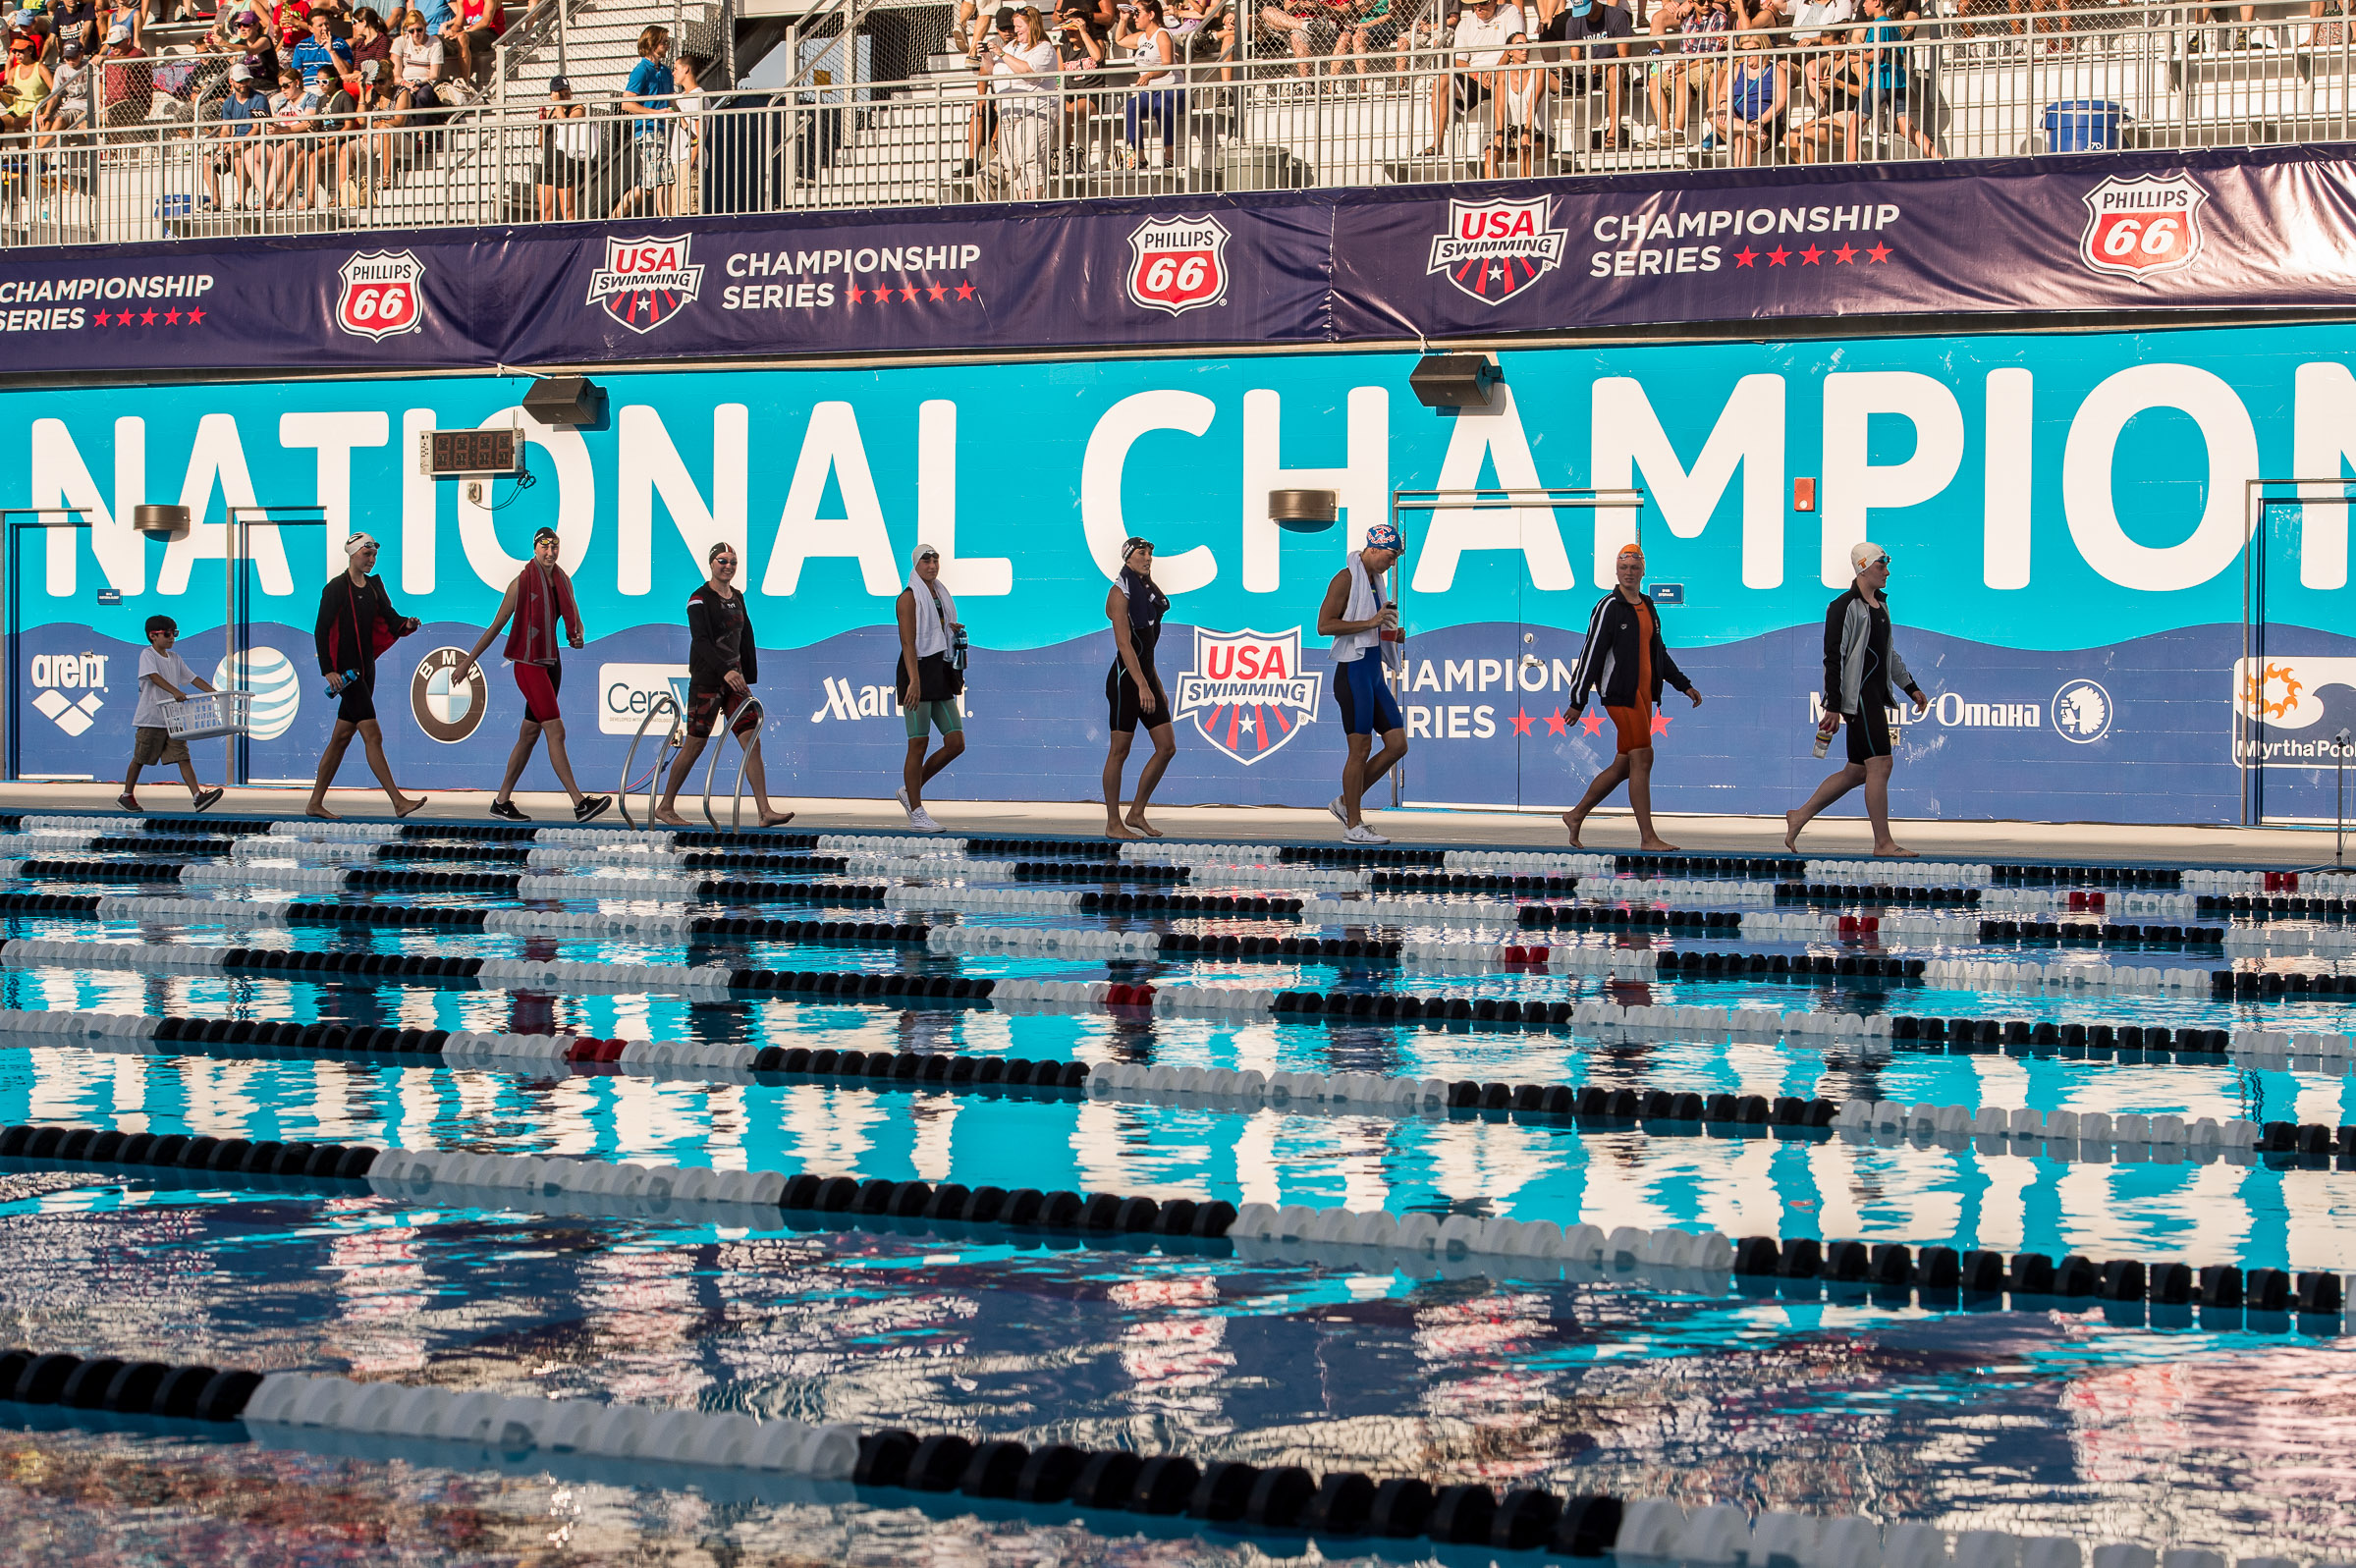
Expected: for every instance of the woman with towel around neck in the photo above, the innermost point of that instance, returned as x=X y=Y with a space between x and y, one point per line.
x=930 y=676
x=1136 y=605
x=1627 y=659
x=722 y=665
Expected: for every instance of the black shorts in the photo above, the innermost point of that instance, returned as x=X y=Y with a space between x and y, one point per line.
x=1126 y=707
x=358 y=703
x=705 y=708
x=1471 y=91
x=1869 y=730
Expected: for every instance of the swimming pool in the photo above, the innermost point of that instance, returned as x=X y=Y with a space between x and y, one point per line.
x=1320 y=1199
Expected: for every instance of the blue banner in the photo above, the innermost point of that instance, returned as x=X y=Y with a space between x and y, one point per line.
x=2066 y=516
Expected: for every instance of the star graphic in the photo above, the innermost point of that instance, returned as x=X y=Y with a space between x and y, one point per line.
x=1845 y=255
x=1660 y=724
x=1812 y=255
x=171 y=318
x=1746 y=257
x=1592 y=722
x=100 y=318
x=1777 y=256
x=908 y=291
x=1554 y=724
x=121 y=318
x=1522 y=722
x=857 y=293
x=1248 y=724
x=937 y=292
x=1879 y=251
x=146 y=318
x=195 y=315
x=965 y=290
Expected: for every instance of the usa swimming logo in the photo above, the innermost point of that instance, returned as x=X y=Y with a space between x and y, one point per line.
x=1244 y=694
x=1493 y=250
x=646 y=281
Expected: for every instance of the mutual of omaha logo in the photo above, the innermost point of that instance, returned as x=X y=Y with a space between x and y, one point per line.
x=1178 y=264
x=2083 y=712
x=2143 y=225
x=447 y=710
x=645 y=281
x=1244 y=693
x=1495 y=250
x=383 y=294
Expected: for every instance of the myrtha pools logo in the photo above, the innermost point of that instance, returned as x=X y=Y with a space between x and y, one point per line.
x=1244 y=694
x=1495 y=250
x=381 y=294
x=645 y=281
x=1178 y=264
x=2142 y=225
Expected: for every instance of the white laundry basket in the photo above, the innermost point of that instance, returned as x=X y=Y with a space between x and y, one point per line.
x=208 y=715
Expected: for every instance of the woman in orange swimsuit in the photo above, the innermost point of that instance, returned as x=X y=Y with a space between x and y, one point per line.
x=1627 y=660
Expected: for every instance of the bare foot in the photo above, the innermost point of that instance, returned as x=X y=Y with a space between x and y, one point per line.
x=1114 y=829
x=322 y=813
x=667 y=818
x=1659 y=846
x=776 y=819
x=1791 y=830
x=1573 y=821
x=400 y=809
x=1140 y=824
x=1894 y=851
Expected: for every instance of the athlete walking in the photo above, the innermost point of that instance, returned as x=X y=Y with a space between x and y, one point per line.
x=1355 y=615
x=356 y=622
x=1860 y=669
x=1136 y=605
x=1626 y=657
x=540 y=596
x=931 y=673
x=722 y=665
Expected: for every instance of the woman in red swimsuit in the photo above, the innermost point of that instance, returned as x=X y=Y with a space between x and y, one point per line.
x=1626 y=657
x=540 y=596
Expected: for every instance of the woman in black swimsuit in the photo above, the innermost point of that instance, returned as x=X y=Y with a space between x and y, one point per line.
x=1136 y=605
x=722 y=665
x=357 y=622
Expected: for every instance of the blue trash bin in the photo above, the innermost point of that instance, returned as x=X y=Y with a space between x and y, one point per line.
x=2083 y=125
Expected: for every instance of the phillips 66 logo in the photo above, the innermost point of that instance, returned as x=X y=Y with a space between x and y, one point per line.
x=380 y=297
x=1178 y=264
x=2143 y=225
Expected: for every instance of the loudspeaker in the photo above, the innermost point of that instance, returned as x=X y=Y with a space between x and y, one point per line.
x=161 y=520
x=1454 y=380
x=1304 y=510
x=566 y=401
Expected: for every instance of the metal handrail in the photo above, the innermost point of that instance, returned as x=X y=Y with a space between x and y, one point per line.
x=629 y=759
x=736 y=815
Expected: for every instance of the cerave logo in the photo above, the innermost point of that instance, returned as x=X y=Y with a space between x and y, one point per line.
x=383 y=294
x=628 y=692
x=1243 y=694
x=1178 y=264
x=646 y=281
x=447 y=710
x=56 y=674
x=1493 y=250
x=2139 y=227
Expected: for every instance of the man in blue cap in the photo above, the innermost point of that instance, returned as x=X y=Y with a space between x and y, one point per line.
x=1588 y=30
x=1359 y=620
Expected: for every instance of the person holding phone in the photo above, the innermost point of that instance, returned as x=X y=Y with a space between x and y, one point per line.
x=566 y=139
x=1861 y=669
x=929 y=677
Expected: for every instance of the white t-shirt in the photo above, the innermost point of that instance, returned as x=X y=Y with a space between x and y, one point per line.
x=1481 y=44
x=1811 y=17
x=417 y=61
x=150 y=714
x=1012 y=83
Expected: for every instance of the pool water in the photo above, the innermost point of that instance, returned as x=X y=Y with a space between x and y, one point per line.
x=2097 y=1422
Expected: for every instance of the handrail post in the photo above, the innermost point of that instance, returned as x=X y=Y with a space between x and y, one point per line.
x=665 y=701
x=736 y=816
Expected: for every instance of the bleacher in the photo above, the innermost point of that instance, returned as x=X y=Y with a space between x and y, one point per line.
x=2039 y=82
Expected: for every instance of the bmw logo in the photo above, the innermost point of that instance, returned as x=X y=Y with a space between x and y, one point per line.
x=2082 y=712
x=448 y=710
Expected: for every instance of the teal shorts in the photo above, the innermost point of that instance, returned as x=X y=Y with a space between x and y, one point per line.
x=926 y=715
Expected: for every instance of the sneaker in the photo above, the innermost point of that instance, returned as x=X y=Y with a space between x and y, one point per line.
x=1335 y=806
x=922 y=821
x=206 y=799
x=591 y=807
x=507 y=811
x=1362 y=833
x=901 y=794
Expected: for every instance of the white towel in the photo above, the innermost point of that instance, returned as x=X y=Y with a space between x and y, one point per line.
x=1365 y=602
x=936 y=613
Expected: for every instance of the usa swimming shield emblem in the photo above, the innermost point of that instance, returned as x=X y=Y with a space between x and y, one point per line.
x=2139 y=227
x=1495 y=250
x=645 y=281
x=1246 y=693
x=1178 y=264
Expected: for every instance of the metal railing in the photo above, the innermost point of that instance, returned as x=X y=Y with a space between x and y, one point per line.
x=2037 y=82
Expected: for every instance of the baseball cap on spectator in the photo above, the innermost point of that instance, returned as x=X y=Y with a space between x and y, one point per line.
x=73 y=51
x=244 y=19
x=559 y=85
x=240 y=71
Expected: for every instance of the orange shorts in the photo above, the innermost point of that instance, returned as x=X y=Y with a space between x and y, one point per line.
x=1635 y=727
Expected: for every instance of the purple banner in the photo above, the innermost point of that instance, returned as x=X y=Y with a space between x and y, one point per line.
x=2214 y=231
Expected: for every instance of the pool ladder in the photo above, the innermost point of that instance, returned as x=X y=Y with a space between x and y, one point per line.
x=668 y=703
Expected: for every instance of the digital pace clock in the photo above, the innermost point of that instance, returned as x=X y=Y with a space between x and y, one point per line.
x=445 y=453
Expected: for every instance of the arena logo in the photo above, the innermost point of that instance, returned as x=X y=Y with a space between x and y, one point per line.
x=1243 y=694
x=1178 y=264
x=627 y=694
x=2140 y=226
x=383 y=294
x=447 y=710
x=1493 y=250
x=646 y=281
x=54 y=675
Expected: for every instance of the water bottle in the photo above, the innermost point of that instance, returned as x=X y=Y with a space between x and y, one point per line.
x=351 y=679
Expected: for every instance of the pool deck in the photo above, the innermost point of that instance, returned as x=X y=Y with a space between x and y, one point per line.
x=1831 y=837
